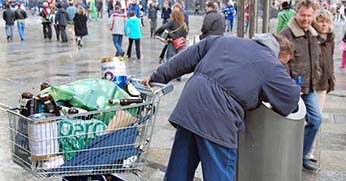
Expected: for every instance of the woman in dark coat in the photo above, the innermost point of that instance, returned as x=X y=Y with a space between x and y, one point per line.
x=80 y=26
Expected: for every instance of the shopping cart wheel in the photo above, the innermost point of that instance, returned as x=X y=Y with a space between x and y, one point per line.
x=84 y=178
x=108 y=177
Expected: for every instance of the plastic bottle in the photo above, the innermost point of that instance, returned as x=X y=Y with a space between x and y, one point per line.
x=124 y=102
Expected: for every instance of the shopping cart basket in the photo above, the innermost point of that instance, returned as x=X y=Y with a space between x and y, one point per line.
x=82 y=144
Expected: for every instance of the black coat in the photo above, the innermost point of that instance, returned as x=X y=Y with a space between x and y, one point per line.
x=61 y=17
x=8 y=16
x=213 y=24
x=80 y=25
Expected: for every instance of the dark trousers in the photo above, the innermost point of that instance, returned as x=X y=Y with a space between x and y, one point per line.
x=47 y=30
x=138 y=50
x=62 y=29
x=57 y=32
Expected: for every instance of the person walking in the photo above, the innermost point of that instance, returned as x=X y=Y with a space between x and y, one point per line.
x=80 y=25
x=152 y=16
x=229 y=13
x=99 y=7
x=213 y=23
x=117 y=24
x=304 y=66
x=71 y=11
x=165 y=13
x=227 y=81
x=284 y=16
x=323 y=24
x=46 y=22
x=61 y=19
x=20 y=15
x=9 y=17
x=176 y=28
x=134 y=7
x=133 y=31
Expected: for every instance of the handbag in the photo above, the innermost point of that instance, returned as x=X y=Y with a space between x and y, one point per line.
x=179 y=43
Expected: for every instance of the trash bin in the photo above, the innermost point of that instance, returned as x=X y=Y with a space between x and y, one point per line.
x=271 y=147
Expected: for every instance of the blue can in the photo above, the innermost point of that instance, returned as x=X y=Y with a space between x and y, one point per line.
x=299 y=80
x=114 y=69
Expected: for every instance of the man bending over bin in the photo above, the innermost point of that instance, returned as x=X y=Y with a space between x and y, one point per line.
x=227 y=81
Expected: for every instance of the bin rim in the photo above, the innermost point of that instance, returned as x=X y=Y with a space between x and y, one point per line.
x=298 y=115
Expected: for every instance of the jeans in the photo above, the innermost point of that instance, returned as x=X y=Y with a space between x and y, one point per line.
x=170 y=51
x=9 y=30
x=313 y=119
x=229 y=24
x=218 y=162
x=21 y=25
x=153 y=26
x=118 y=41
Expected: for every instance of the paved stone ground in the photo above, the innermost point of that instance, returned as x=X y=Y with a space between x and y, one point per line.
x=24 y=65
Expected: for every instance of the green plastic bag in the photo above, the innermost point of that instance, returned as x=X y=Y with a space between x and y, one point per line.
x=89 y=94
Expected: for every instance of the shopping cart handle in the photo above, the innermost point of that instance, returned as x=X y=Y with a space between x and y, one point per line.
x=164 y=88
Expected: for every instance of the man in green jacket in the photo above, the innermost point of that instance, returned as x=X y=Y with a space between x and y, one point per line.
x=284 y=16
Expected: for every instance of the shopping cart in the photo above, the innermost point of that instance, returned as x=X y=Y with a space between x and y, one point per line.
x=75 y=145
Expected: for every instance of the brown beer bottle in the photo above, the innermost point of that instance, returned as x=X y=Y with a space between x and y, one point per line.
x=125 y=102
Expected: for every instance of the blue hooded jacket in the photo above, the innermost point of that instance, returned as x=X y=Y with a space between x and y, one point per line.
x=230 y=76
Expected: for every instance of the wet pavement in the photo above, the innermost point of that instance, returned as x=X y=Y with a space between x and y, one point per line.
x=24 y=65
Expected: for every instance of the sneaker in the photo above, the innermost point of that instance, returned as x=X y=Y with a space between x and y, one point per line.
x=310 y=166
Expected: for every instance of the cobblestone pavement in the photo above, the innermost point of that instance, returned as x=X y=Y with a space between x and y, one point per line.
x=24 y=65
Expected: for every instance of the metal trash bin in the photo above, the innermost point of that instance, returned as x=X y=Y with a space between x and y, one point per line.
x=271 y=147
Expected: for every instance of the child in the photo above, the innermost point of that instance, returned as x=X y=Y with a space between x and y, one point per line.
x=133 y=30
x=80 y=25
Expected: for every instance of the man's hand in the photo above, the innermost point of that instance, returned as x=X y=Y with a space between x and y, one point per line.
x=146 y=81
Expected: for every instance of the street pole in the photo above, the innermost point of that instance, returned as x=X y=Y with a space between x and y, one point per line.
x=265 y=20
x=240 y=25
x=253 y=18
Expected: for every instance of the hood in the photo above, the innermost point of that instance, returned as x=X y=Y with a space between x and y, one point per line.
x=268 y=40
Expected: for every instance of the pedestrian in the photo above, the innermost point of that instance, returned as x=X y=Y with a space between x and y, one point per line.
x=55 y=25
x=117 y=26
x=80 y=25
x=304 y=67
x=323 y=24
x=177 y=29
x=165 y=13
x=152 y=16
x=227 y=81
x=229 y=13
x=134 y=7
x=99 y=7
x=92 y=10
x=61 y=19
x=8 y=16
x=213 y=22
x=20 y=15
x=133 y=31
x=46 y=22
x=284 y=16
x=197 y=7
x=110 y=8
x=71 y=11
x=342 y=47
x=247 y=16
